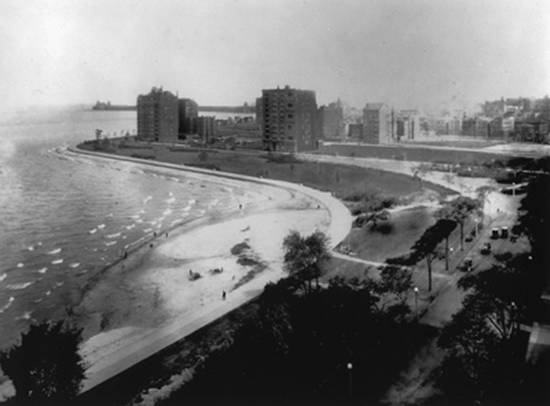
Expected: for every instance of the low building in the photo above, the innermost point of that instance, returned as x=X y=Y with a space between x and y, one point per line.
x=502 y=127
x=157 y=116
x=531 y=131
x=259 y=111
x=407 y=125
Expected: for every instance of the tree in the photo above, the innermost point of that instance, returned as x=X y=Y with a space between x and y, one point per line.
x=458 y=210
x=304 y=256
x=203 y=156
x=45 y=366
x=424 y=247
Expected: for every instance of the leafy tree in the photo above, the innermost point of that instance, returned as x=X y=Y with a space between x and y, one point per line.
x=304 y=256
x=425 y=246
x=45 y=366
x=203 y=156
x=458 y=210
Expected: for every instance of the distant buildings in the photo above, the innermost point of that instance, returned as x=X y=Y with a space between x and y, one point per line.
x=205 y=128
x=502 y=127
x=407 y=125
x=157 y=116
x=355 y=131
x=188 y=111
x=377 y=124
x=259 y=111
x=478 y=126
x=289 y=119
x=331 y=121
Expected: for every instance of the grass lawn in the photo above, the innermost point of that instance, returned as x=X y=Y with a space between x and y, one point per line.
x=411 y=154
x=395 y=236
x=346 y=269
x=341 y=180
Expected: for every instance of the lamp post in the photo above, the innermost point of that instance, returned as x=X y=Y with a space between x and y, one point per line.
x=415 y=289
x=349 y=367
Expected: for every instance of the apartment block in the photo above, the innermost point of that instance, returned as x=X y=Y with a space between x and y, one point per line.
x=289 y=119
x=157 y=116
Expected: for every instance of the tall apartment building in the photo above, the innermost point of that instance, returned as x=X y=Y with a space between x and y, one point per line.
x=289 y=119
x=188 y=111
x=157 y=116
x=205 y=127
x=378 y=124
x=259 y=111
x=331 y=121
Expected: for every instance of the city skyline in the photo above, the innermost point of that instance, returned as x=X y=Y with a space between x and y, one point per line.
x=415 y=54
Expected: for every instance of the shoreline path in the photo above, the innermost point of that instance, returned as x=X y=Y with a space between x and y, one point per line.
x=116 y=360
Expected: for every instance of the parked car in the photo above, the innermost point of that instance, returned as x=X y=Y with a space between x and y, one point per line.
x=495 y=233
x=467 y=265
x=486 y=249
x=469 y=238
x=504 y=232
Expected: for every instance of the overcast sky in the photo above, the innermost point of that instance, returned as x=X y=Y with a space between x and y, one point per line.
x=411 y=53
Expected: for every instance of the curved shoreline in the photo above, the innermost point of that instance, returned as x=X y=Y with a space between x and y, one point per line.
x=114 y=362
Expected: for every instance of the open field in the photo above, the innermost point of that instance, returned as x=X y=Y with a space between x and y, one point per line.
x=411 y=153
x=341 y=180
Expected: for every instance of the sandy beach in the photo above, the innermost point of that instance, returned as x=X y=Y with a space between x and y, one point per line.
x=148 y=300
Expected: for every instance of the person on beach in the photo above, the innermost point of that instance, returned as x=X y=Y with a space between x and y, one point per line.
x=125 y=254
x=223 y=295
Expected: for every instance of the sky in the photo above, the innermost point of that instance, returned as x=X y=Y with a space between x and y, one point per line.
x=409 y=53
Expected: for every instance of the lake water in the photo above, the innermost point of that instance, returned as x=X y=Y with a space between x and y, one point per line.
x=63 y=219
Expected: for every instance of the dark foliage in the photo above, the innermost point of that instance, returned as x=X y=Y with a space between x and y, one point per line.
x=45 y=367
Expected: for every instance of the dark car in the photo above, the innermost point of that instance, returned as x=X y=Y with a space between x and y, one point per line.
x=486 y=249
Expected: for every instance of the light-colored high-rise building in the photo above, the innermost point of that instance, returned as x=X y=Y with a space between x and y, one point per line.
x=377 y=124
x=157 y=116
x=289 y=119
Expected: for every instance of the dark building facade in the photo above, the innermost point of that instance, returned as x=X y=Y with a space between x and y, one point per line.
x=188 y=111
x=259 y=111
x=331 y=121
x=205 y=128
x=157 y=116
x=355 y=131
x=289 y=119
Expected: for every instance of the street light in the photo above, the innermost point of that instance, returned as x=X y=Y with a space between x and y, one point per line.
x=415 y=289
x=349 y=366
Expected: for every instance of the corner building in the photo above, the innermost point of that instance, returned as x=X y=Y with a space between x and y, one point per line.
x=289 y=119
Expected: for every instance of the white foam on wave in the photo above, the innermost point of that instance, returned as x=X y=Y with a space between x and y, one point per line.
x=115 y=235
x=171 y=200
x=75 y=265
x=30 y=248
x=25 y=316
x=175 y=179
x=57 y=261
x=173 y=223
x=142 y=211
x=59 y=284
x=19 y=286
x=135 y=216
x=108 y=244
x=167 y=212
x=3 y=276
x=147 y=230
x=101 y=226
x=55 y=251
x=39 y=243
x=48 y=293
x=139 y=221
x=7 y=305
x=42 y=270
x=20 y=265
x=93 y=230
x=130 y=227
x=147 y=199
x=153 y=222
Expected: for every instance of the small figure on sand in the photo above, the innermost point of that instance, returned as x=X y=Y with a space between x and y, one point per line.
x=166 y=235
x=223 y=295
x=125 y=254
x=154 y=234
x=240 y=206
